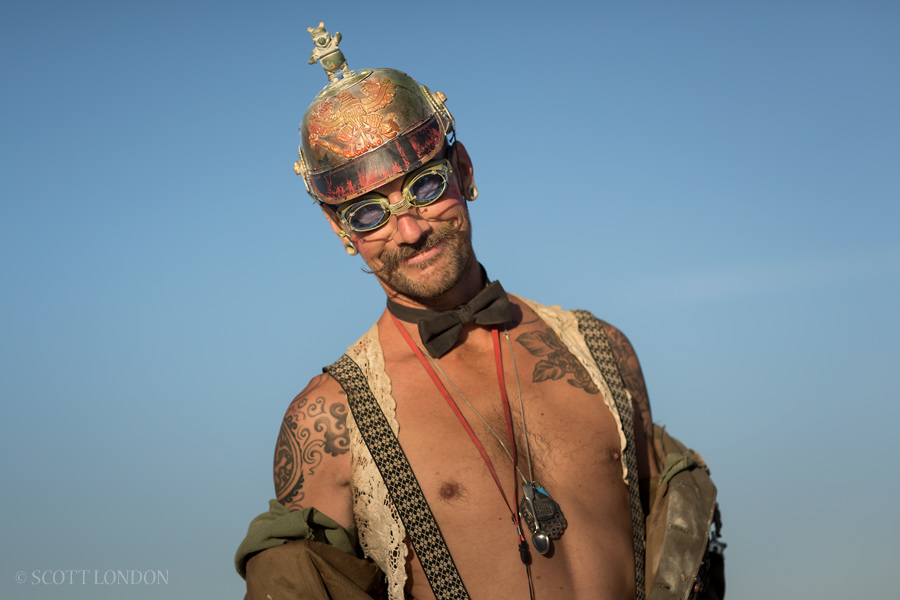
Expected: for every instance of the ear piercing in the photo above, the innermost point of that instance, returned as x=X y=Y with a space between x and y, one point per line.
x=349 y=248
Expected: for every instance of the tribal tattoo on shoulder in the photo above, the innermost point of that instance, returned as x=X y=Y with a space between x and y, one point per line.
x=556 y=361
x=311 y=428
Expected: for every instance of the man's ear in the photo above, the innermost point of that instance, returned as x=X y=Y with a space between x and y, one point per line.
x=466 y=172
x=337 y=229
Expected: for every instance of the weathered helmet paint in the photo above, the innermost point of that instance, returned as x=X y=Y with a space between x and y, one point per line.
x=367 y=128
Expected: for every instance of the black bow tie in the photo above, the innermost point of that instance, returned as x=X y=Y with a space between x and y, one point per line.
x=440 y=330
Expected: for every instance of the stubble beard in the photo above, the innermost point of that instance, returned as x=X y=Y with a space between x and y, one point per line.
x=395 y=273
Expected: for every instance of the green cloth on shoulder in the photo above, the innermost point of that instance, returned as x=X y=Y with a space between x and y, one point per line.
x=279 y=526
x=676 y=463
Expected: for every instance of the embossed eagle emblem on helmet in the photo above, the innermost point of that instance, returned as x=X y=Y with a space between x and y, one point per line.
x=350 y=125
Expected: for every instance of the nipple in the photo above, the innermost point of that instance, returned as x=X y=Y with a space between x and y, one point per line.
x=450 y=490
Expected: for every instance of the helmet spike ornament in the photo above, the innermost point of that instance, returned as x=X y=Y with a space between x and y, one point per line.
x=326 y=51
x=365 y=127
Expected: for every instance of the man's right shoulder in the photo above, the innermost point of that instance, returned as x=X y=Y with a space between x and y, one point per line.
x=312 y=451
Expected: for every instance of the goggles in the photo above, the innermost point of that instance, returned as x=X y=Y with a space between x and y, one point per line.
x=420 y=188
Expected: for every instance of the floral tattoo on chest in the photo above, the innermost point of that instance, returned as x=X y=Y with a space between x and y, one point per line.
x=556 y=360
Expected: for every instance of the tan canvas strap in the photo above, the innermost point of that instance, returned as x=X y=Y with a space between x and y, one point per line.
x=597 y=342
x=404 y=489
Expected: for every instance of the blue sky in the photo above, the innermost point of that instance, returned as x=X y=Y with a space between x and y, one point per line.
x=717 y=180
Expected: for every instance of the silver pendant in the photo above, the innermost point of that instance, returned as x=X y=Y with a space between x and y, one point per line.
x=542 y=515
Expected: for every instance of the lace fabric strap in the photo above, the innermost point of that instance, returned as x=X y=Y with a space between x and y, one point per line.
x=598 y=344
x=404 y=489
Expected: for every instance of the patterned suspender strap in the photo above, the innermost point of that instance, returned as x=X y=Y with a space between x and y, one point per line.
x=401 y=482
x=597 y=342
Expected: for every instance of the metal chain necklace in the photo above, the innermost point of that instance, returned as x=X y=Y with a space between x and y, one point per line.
x=541 y=513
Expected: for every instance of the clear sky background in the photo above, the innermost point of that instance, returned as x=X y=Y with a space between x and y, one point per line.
x=719 y=180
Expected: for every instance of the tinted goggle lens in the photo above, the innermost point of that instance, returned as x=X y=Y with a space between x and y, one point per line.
x=421 y=188
x=427 y=187
x=366 y=216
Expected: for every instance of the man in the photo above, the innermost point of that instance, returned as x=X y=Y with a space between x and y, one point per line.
x=483 y=445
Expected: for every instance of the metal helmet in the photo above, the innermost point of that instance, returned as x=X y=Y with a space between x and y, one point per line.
x=366 y=127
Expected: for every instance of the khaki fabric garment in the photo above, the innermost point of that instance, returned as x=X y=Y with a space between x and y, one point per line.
x=681 y=513
x=278 y=526
x=312 y=571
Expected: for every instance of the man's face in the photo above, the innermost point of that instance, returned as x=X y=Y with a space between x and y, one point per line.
x=420 y=253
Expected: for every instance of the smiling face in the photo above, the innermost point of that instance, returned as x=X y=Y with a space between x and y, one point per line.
x=427 y=254
x=423 y=253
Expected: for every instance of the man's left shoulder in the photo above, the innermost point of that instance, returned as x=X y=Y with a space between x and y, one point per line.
x=585 y=320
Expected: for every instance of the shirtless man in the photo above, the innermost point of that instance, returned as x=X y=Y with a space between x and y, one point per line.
x=379 y=157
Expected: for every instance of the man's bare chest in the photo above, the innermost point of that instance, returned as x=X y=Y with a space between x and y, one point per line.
x=556 y=422
x=467 y=417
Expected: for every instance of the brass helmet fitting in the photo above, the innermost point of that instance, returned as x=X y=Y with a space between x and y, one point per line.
x=366 y=127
